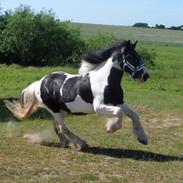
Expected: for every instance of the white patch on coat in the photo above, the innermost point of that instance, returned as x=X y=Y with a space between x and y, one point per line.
x=85 y=67
x=117 y=66
x=68 y=76
x=99 y=78
x=38 y=90
x=79 y=105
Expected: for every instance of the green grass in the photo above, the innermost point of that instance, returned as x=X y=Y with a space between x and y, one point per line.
x=116 y=157
x=142 y=34
x=163 y=87
x=14 y=78
x=111 y=158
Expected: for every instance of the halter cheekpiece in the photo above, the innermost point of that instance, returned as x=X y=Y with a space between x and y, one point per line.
x=127 y=65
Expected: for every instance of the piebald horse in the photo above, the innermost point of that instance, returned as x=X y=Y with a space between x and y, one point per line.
x=96 y=89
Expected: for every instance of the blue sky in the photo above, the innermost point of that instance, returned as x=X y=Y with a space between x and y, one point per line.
x=112 y=12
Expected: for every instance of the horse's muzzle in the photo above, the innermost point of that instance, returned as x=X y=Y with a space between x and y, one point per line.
x=145 y=76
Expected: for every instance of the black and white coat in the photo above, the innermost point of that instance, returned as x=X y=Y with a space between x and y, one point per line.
x=97 y=89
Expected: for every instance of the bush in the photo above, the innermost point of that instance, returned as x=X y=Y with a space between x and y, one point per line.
x=103 y=40
x=27 y=38
x=147 y=56
x=100 y=41
x=140 y=24
x=39 y=39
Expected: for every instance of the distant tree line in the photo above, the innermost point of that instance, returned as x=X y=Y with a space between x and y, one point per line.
x=39 y=39
x=157 y=26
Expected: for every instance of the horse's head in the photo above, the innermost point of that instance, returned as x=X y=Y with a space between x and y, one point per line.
x=131 y=62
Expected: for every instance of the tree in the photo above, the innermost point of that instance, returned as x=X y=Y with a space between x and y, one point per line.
x=99 y=41
x=160 y=26
x=39 y=39
x=175 y=28
x=145 y=25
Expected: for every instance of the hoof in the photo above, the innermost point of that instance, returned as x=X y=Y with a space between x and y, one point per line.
x=64 y=143
x=84 y=147
x=80 y=147
x=143 y=141
x=109 y=131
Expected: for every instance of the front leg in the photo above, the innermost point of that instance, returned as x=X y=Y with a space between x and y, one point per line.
x=138 y=128
x=113 y=124
x=109 y=111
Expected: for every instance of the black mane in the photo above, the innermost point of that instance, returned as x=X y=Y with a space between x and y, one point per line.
x=102 y=55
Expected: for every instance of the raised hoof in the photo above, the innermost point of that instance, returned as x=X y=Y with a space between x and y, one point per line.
x=143 y=141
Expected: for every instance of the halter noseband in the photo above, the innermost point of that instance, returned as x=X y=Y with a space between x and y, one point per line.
x=126 y=65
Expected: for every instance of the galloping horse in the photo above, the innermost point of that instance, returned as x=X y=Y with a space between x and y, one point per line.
x=96 y=89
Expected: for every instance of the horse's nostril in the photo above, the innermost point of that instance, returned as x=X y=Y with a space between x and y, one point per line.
x=145 y=76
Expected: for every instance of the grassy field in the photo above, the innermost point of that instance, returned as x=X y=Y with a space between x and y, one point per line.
x=133 y=33
x=111 y=158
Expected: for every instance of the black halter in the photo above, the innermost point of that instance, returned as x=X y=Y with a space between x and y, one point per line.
x=127 y=66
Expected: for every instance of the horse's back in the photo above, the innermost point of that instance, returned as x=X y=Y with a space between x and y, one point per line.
x=62 y=91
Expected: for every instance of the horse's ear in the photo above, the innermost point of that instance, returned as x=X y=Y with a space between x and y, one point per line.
x=134 y=45
x=129 y=42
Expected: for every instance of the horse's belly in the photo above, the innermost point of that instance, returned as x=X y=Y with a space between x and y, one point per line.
x=79 y=106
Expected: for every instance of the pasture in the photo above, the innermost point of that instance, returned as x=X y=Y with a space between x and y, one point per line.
x=147 y=35
x=114 y=157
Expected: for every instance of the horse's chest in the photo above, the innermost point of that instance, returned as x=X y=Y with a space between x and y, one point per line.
x=113 y=95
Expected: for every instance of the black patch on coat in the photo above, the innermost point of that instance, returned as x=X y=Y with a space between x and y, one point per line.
x=76 y=85
x=50 y=92
x=85 y=89
x=69 y=89
x=113 y=93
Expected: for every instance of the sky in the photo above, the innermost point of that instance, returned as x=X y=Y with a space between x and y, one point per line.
x=110 y=12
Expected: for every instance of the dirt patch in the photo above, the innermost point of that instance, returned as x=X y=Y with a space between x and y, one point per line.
x=159 y=119
x=139 y=108
x=169 y=120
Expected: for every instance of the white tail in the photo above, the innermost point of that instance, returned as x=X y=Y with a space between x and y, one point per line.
x=26 y=105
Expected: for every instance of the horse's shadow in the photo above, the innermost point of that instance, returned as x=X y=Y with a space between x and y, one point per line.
x=126 y=153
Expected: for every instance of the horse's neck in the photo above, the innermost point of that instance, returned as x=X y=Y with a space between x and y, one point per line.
x=110 y=72
x=105 y=67
x=115 y=77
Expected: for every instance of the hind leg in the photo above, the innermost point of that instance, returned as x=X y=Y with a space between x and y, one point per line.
x=63 y=140
x=65 y=135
